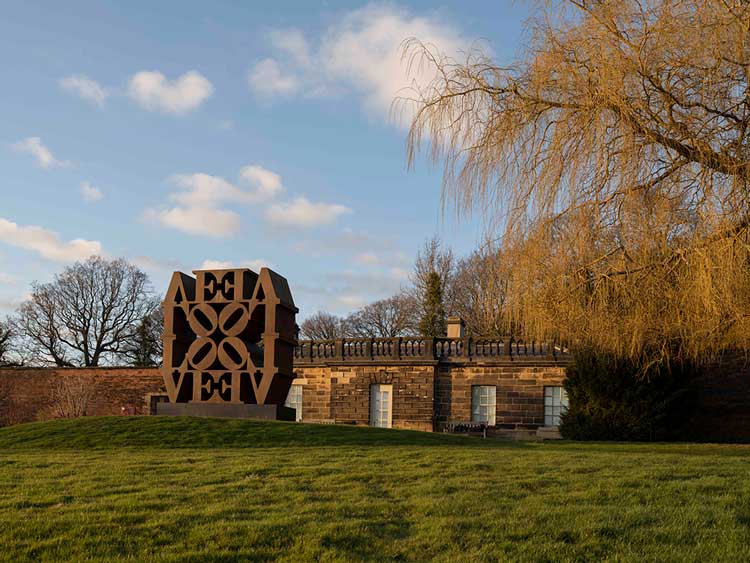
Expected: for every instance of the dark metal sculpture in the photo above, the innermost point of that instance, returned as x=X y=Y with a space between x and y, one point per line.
x=229 y=337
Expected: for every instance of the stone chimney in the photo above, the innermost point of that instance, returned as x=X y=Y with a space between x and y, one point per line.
x=456 y=327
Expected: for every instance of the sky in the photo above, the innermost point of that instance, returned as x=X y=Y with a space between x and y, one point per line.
x=188 y=135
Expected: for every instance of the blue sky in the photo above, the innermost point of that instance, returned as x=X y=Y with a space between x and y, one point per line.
x=182 y=134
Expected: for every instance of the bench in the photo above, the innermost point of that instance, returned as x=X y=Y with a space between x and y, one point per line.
x=470 y=428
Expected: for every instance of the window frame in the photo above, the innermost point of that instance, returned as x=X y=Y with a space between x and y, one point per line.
x=555 y=404
x=484 y=404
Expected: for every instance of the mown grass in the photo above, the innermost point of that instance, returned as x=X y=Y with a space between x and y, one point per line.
x=174 y=489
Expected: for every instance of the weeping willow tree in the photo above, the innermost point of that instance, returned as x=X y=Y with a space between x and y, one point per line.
x=613 y=158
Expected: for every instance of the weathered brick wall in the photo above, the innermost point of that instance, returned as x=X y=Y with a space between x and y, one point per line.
x=425 y=396
x=27 y=394
x=519 y=392
x=342 y=394
x=316 y=394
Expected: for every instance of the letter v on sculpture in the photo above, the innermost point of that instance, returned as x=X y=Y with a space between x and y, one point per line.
x=229 y=338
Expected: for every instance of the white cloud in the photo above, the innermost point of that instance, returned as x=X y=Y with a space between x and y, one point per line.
x=301 y=212
x=266 y=184
x=85 y=88
x=47 y=243
x=254 y=265
x=152 y=91
x=200 y=197
x=205 y=190
x=267 y=79
x=217 y=223
x=35 y=147
x=361 y=52
x=198 y=190
x=90 y=193
x=7 y=278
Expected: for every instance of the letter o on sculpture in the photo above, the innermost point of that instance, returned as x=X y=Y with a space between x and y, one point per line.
x=202 y=353
x=232 y=353
x=203 y=319
x=233 y=319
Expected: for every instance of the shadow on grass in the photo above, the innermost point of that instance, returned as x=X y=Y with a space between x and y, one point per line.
x=186 y=432
x=101 y=433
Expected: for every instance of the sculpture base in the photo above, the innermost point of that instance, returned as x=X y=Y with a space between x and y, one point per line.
x=230 y=410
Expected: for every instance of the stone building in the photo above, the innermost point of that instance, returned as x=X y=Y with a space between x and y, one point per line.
x=430 y=384
x=417 y=383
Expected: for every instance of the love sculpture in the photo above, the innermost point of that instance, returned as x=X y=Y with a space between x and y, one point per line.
x=229 y=338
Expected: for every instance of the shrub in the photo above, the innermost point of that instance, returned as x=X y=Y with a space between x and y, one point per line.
x=612 y=398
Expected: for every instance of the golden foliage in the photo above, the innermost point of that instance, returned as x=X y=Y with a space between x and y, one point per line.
x=614 y=160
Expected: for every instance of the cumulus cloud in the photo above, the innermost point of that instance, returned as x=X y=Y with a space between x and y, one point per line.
x=43 y=156
x=197 y=203
x=90 y=193
x=85 y=88
x=254 y=265
x=265 y=184
x=154 y=92
x=301 y=212
x=361 y=53
x=205 y=190
x=47 y=243
x=217 y=223
x=267 y=79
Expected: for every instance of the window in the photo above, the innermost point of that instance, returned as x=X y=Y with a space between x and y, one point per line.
x=294 y=400
x=483 y=404
x=380 y=405
x=555 y=403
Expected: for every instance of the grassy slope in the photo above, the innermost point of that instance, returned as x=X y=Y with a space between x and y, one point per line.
x=220 y=490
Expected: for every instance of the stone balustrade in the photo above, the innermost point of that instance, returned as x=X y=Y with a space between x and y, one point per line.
x=426 y=349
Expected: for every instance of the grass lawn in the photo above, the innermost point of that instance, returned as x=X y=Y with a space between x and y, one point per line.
x=176 y=489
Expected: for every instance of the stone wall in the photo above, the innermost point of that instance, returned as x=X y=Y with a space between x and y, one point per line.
x=519 y=392
x=341 y=395
x=426 y=395
x=27 y=394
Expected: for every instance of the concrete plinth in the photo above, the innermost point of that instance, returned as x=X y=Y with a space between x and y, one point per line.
x=261 y=412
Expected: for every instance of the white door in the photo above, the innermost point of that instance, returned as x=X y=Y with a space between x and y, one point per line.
x=380 y=405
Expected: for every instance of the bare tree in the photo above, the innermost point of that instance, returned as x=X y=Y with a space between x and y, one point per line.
x=88 y=314
x=394 y=316
x=323 y=326
x=616 y=156
x=39 y=324
x=7 y=337
x=481 y=293
x=70 y=397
